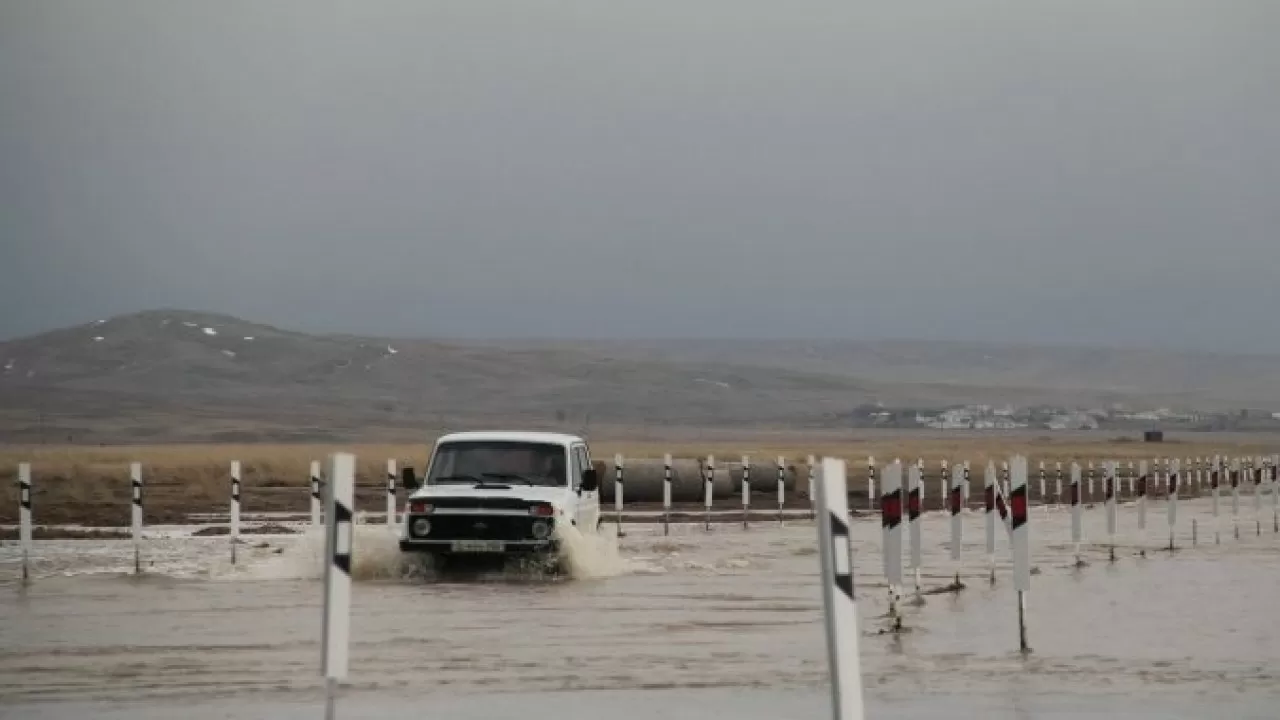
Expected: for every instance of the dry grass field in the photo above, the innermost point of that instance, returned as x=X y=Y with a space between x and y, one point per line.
x=90 y=485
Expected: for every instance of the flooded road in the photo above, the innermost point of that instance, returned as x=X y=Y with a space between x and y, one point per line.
x=726 y=621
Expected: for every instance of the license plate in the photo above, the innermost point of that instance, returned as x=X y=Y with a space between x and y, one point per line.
x=478 y=546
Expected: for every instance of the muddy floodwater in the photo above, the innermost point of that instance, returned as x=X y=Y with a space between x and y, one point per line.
x=692 y=625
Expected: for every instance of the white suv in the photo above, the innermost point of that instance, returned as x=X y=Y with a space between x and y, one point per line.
x=500 y=493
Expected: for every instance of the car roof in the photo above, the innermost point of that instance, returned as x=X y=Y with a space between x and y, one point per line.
x=512 y=436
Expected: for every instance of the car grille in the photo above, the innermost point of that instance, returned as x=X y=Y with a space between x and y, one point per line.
x=497 y=503
x=478 y=527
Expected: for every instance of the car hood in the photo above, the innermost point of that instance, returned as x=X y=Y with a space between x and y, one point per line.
x=556 y=496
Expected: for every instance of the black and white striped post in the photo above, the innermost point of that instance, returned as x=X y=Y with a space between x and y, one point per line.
x=1143 y=489
x=1258 y=469
x=965 y=489
x=315 y=493
x=1077 y=517
x=666 y=494
x=891 y=525
x=1043 y=487
x=782 y=489
x=1175 y=468
x=944 y=485
x=1057 y=486
x=708 y=485
x=135 y=482
x=1109 y=484
x=1089 y=495
x=1235 y=497
x=746 y=490
x=391 y=493
x=813 y=503
x=1131 y=479
x=989 y=516
x=915 y=488
x=24 y=518
x=955 y=504
x=1215 y=485
x=235 y=509
x=1021 y=544
x=840 y=605
x=617 y=490
x=339 y=535
x=1275 y=493
x=871 y=483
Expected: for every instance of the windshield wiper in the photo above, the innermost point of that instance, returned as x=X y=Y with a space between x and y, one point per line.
x=459 y=478
x=509 y=476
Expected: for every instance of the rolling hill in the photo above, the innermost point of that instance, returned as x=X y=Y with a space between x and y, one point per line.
x=176 y=375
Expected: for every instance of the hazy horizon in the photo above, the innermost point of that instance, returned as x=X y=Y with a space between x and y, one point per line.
x=1092 y=174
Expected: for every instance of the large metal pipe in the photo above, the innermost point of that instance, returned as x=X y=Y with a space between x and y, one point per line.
x=642 y=480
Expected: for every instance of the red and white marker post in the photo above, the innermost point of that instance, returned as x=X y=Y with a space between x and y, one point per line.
x=1021 y=543
x=891 y=530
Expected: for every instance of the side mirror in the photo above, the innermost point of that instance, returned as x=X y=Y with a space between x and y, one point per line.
x=408 y=479
x=590 y=480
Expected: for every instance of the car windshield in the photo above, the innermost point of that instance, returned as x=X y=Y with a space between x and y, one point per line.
x=498 y=462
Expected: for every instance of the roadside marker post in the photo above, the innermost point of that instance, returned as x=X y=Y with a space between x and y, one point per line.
x=617 y=490
x=840 y=605
x=813 y=503
x=666 y=495
x=1275 y=493
x=1089 y=496
x=989 y=496
x=891 y=524
x=1131 y=477
x=871 y=483
x=235 y=508
x=1258 y=470
x=339 y=497
x=956 y=501
x=944 y=485
x=915 y=488
x=135 y=481
x=1174 y=470
x=710 y=483
x=1109 y=483
x=746 y=490
x=315 y=493
x=1235 y=496
x=1143 y=488
x=782 y=485
x=1043 y=499
x=1077 y=520
x=1057 y=486
x=24 y=518
x=391 y=493
x=1004 y=477
x=1021 y=544
x=1215 y=483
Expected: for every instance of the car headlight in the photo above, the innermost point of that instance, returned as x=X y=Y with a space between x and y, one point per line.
x=541 y=529
x=421 y=527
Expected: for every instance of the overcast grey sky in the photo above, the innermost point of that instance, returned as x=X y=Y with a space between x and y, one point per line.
x=1027 y=171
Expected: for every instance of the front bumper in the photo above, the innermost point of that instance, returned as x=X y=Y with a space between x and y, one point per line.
x=511 y=547
x=478 y=534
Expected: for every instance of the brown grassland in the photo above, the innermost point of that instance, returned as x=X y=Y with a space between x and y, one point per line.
x=90 y=485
